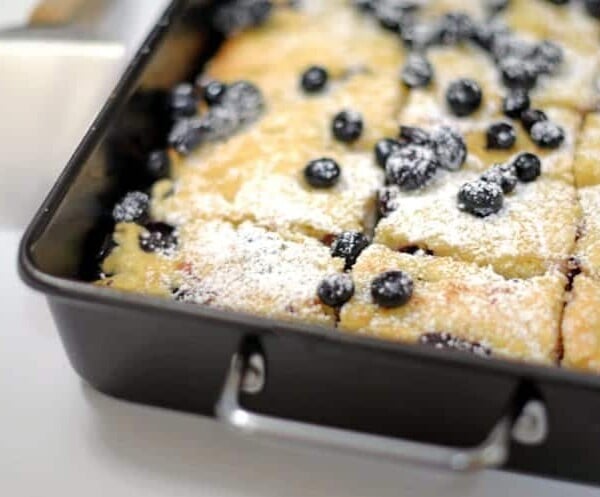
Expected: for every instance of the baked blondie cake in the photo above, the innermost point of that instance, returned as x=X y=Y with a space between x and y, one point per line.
x=411 y=170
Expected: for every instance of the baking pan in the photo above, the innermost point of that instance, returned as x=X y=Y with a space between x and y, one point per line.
x=303 y=383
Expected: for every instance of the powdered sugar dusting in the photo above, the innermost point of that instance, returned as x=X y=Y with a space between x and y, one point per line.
x=251 y=269
x=520 y=240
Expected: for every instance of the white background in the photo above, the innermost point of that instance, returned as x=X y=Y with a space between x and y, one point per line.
x=57 y=436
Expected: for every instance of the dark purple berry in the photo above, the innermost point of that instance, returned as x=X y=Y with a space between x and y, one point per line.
x=411 y=135
x=235 y=15
x=463 y=97
x=392 y=289
x=515 y=103
x=183 y=101
x=132 y=208
x=158 y=237
x=187 y=134
x=531 y=116
x=518 y=73
x=527 y=166
x=547 y=57
x=445 y=341
x=392 y=14
x=384 y=148
x=347 y=126
x=485 y=35
x=158 y=164
x=592 y=7
x=503 y=175
x=387 y=200
x=213 y=92
x=349 y=245
x=455 y=27
x=245 y=100
x=322 y=173
x=547 y=134
x=449 y=147
x=559 y=2
x=411 y=167
x=501 y=136
x=335 y=290
x=314 y=79
x=417 y=72
x=480 y=198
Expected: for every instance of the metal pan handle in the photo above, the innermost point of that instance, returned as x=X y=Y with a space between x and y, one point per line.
x=493 y=452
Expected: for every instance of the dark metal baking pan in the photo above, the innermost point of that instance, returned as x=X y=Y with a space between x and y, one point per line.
x=299 y=382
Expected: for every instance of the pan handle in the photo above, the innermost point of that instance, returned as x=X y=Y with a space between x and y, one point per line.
x=493 y=452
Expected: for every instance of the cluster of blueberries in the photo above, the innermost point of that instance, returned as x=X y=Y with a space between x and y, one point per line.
x=389 y=289
x=229 y=108
x=135 y=208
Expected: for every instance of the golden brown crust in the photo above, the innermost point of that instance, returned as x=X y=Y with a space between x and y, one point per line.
x=518 y=319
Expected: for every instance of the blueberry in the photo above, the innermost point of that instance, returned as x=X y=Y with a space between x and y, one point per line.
x=418 y=36
x=547 y=134
x=500 y=136
x=518 y=73
x=480 y=198
x=322 y=173
x=235 y=15
x=411 y=167
x=391 y=14
x=449 y=147
x=392 y=289
x=503 y=175
x=547 y=56
x=417 y=72
x=384 y=148
x=158 y=237
x=455 y=27
x=336 y=289
x=531 y=116
x=515 y=103
x=349 y=245
x=158 y=164
x=187 y=134
x=463 y=97
x=559 y=2
x=183 y=101
x=592 y=7
x=347 y=126
x=314 y=79
x=133 y=207
x=245 y=100
x=485 y=35
x=387 y=200
x=219 y=123
x=445 y=341
x=507 y=46
x=411 y=135
x=527 y=166
x=213 y=92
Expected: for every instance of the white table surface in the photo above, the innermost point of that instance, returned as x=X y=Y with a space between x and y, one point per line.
x=59 y=437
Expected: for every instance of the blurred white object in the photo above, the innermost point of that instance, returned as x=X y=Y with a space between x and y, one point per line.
x=16 y=12
x=49 y=94
x=54 y=81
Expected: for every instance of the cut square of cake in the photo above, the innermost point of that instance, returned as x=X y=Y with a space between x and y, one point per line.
x=534 y=230
x=458 y=305
x=241 y=268
x=581 y=326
